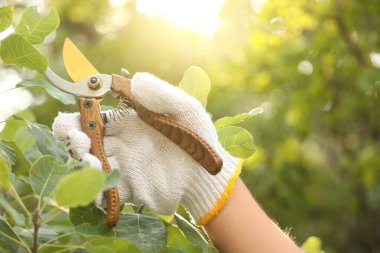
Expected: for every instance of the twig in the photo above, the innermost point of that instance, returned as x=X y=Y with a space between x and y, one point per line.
x=36 y=224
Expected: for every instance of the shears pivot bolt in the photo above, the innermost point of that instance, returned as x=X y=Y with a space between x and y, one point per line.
x=94 y=83
x=87 y=103
x=91 y=125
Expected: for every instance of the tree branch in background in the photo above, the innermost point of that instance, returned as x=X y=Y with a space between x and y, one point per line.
x=343 y=30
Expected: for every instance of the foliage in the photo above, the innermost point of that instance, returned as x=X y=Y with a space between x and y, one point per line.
x=311 y=66
x=196 y=83
x=16 y=50
x=34 y=26
x=37 y=175
x=6 y=14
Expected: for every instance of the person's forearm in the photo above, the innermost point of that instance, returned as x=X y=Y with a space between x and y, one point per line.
x=243 y=227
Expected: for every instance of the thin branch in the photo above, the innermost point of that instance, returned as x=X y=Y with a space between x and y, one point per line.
x=354 y=47
x=36 y=224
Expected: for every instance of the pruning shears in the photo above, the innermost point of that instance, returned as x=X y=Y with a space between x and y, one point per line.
x=90 y=86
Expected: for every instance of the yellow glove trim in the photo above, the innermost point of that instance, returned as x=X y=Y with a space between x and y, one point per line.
x=223 y=198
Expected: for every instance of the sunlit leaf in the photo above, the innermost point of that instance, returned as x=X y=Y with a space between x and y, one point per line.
x=147 y=232
x=196 y=82
x=237 y=141
x=7 y=152
x=234 y=120
x=110 y=244
x=191 y=232
x=6 y=17
x=45 y=173
x=4 y=173
x=63 y=97
x=112 y=179
x=46 y=142
x=17 y=51
x=177 y=242
x=80 y=187
x=17 y=217
x=35 y=26
x=87 y=214
x=5 y=241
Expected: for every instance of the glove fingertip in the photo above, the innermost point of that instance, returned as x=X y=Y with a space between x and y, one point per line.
x=63 y=123
x=157 y=95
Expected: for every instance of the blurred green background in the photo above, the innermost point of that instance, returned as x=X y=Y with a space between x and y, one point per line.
x=312 y=65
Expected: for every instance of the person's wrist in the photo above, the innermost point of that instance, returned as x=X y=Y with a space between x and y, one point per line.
x=207 y=194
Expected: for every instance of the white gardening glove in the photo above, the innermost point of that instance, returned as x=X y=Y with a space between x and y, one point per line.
x=154 y=170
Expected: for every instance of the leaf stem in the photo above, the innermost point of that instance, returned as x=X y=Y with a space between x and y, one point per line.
x=48 y=243
x=21 y=243
x=50 y=215
x=62 y=245
x=140 y=209
x=68 y=248
x=18 y=199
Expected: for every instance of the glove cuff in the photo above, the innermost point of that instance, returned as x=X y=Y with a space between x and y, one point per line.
x=209 y=194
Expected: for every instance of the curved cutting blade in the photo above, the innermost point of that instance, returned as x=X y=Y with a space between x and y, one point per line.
x=77 y=65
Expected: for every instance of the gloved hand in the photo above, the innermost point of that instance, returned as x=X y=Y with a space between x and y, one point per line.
x=155 y=171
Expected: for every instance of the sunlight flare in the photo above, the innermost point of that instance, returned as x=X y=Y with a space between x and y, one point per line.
x=195 y=15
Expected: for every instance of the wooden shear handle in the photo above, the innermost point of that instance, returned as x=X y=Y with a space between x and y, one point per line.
x=93 y=126
x=186 y=139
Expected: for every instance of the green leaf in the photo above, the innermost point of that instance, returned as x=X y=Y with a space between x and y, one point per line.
x=234 y=120
x=147 y=232
x=34 y=26
x=7 y=152
x=4 y=173
x=17 y=51
x=17 y=217
x=237 y=141
x=87 y=214
x=46 y=142
x=63 y=97
x=177 y=242
x=191 y=232
x=110 y=244
x=45 y=173
x=6 y=17
x=22 y=163
x=80 y=187
x=112 y=179
x=7 y=231
x=87 y=229
x=196 y=82
x=45 y=233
